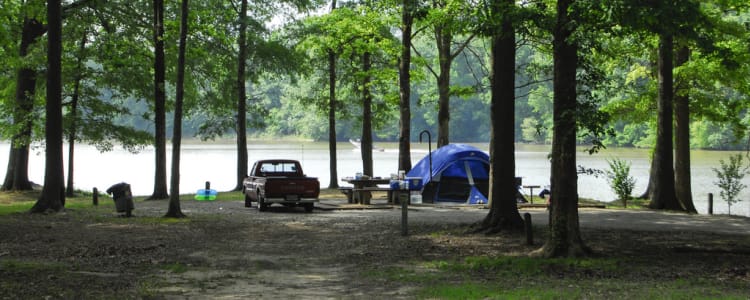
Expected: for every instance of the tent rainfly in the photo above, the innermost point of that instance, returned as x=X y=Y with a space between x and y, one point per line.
x=459 y=174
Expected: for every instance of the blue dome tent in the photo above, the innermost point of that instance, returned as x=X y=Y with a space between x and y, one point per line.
x=459 y=174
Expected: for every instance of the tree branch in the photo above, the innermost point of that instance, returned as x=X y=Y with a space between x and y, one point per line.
x=66 y=9
x=479 y=57
x=463 y=45
x=533 y=82
x=235 y=7
x=419 y=30
x=429 y=68
x=477 y=79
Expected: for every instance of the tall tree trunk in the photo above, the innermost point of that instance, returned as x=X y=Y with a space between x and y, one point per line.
x=17 y=173
x=17 y=158
x=53 y=196
x=174 y=210
x=73 y=130
x=662 y=193
x=160 y=123
x=334 y=183
x=366 y=146
x=69 y=187
x=683 y=185
x=404 y=83
x=647 y=191
x=444 y=41
x=503 y=212
x=565 y=237
x=241 y=100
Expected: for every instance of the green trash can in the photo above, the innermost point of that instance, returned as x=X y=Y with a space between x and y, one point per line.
x=123 y=198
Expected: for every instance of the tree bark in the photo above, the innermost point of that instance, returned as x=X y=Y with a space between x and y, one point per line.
x=73 y=130
x=174 y=210
x=503 y=214
x=160 y=123
x=16 y=177
x=404 y=83
x=242 y=159
x=17 y=173
x=662 y=181
x=366 y=145
x=683 y=184
x=647 y=191
x=444 y=41
x=53 y=196
x=444 y=38
x=564 y=238
x=16 y=180
x=334 y=183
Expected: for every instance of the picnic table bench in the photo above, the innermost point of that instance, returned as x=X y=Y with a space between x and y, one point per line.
x=362 y=188
x=370 y=189
x=347 y=190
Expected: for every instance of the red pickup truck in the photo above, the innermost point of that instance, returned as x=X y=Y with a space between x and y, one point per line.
x=280 y=181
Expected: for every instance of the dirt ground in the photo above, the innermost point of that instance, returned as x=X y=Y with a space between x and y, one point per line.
x=225 y=250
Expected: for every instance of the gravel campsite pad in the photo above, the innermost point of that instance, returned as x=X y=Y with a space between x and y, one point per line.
x=225 y=250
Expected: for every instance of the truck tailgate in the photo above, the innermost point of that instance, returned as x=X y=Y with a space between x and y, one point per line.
x=306 y=187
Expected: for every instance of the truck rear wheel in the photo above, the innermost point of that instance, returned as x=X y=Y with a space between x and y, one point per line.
x=248 y=201
x=309 y=207
x=261 y=202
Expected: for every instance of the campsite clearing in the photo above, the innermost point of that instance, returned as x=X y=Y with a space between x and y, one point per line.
x=87 y=252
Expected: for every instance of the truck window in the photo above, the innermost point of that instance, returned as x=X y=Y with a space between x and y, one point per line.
x=279 y=168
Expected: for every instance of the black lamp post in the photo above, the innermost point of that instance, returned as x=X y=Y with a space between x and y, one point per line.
x=429 y=147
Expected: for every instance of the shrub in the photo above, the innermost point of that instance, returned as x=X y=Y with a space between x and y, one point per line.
x=730 y=179
x=620 y=180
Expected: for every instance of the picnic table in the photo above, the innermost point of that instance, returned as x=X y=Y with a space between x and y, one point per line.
x=362 y=188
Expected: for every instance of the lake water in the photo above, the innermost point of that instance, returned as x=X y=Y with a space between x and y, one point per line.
x=216 y=163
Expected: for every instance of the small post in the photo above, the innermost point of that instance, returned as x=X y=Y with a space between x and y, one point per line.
x=95 y=197
x=527 y=226
x=710 y=203
x=404 y=213
x=531 y=193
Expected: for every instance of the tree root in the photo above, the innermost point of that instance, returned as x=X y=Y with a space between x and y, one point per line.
x=491 y=228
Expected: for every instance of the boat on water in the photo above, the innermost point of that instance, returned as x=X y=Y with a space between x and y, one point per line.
x=358 y=144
